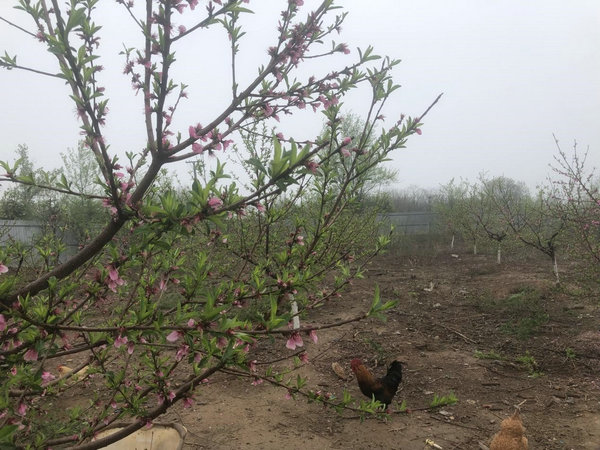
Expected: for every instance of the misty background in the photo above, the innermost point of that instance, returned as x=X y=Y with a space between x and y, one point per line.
x=512 y=73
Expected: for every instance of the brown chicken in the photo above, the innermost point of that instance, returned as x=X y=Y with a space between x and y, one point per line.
x=383 y=389
x=511 y=435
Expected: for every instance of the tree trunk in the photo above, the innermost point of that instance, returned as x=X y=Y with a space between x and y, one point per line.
x=499 y=255
x=295 y=318
x=452 y=243
x=555 y=268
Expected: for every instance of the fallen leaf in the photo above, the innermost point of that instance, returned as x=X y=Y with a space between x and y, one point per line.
x=339 y=370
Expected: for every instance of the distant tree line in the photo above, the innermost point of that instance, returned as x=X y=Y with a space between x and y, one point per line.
x=562 y=216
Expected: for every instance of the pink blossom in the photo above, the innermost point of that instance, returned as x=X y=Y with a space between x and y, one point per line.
x=191 y=323
x=268 y=109
x=260 y=207
x=215 y=203
x=172 y=396
x=313 y=336
x=113 y=279
x=298 y=339
x=22 y=409
x=311 y=166
x=13 y=371
x=47 y=377
x=304 y=357
x=343 y=48
x=162 y=284
x=345 y=152
x=112 y=284
x=65 y=342
x=188 y=402
x=257 y=381
x=31 y=355
x=346 y=140
x=182 y=352
x=252 y=365
x=227 y=143
x=288 y=395
x=197 y=148
x=120 y=340
x=418 y=131
x=3 y=268
x=221 y=342
x=193 y=4
x=174 y=336
x=295 y=340
x=2 y=322
x=130 y=348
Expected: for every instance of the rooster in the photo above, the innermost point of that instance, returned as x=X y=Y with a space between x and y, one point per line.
x=382 y=389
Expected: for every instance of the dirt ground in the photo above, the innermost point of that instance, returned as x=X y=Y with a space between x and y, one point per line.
x=494 y=335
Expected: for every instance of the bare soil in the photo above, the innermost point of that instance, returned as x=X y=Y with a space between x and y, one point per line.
x=494 y=335
x=452 y=312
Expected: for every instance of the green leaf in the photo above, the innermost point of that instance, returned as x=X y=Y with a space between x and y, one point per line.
x=377 y=308
x=6 y=434
x=76 y=19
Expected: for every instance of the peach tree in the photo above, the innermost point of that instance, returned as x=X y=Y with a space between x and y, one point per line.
x=574 y=193
x=176 y=287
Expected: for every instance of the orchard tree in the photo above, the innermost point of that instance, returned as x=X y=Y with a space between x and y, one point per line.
x=575 y=197
x=452 y=206
x=175 y=288
x=82 y=214
x=532 y=221
x=17 y=201
x=485 y=211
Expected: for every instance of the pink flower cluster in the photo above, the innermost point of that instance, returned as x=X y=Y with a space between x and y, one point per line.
x=295 y=340
x=113 y=280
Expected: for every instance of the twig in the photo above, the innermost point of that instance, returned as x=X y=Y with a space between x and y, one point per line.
x=455 y=424
x=458 y=333
x=17 y=27
x=329 y=347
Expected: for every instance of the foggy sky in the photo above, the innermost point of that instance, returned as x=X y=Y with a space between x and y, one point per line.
x=512 y=73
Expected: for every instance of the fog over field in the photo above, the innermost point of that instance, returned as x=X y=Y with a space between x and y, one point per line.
x=512 y=73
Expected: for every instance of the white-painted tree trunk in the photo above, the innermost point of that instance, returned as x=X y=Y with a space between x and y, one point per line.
x=452 y=243
x=555 y=268
x=499 y=255
x=295 y=318
x=474 y=248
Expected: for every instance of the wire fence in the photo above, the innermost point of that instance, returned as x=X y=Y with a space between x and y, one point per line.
x=409 y=222
x=29 y=232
